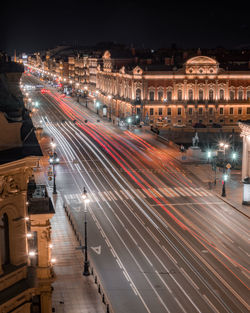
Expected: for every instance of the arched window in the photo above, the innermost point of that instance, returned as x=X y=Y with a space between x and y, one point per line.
x=160 y=95
x=221 y=94
x=151 y=95
x=248 y=95
x=138 y=95
x=200 y=95
x=169 y=95
x=211 y=95
x=179 y=96
x=240 y=95
x=4 y=240
x=231 y=95
x=190 y=95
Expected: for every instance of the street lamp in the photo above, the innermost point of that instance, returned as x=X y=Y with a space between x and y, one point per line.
x=53 y=167
x=86 y=262
x=223 y=194
x=224 y=146
x=97 y=107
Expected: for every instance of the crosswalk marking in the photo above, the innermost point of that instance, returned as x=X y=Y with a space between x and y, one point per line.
x=117 y=195
x=124 y=194
x=193 y=191
x=107 y=195
x=140 y=193
x=181 y=191
x=112 y=195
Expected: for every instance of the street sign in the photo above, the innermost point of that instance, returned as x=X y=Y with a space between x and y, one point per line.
x=97 y=249
x=228 y=165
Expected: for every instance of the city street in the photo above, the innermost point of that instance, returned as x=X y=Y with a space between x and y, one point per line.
x=159 y=241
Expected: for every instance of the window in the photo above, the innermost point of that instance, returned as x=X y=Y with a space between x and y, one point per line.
x=211 y=95
x=151 y=95
x=138 y=95
x=200 y=95
x=179 y=95
x=231 y=121
x=239 y=111
x=190 y=111
x=231 y=111
x=248 y=95
x=221 y=94
x=138 y=111
x=179 y=111
x=160 y=95
x=211 y=111
x=190 y=95
x=151 y=111
x=248 y=110
x=169 y=111
x=200 y=121
x=240 y=95
x=189 y=121
x=200 y=111
x=231 y=95
x=221 y=121
x=210 y=121
x=160 y=111
x=4 y=240
x=221 y=110
x=169 y=95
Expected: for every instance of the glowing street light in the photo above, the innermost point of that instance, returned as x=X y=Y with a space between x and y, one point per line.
x=86 y=262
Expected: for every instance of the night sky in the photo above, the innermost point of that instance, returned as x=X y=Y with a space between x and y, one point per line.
x=31 y=26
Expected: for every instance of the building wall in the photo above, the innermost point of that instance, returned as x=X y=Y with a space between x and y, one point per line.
x=210 y=96
x=18 y=268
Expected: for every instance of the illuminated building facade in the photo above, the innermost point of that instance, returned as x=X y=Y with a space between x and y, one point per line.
x=199 y=92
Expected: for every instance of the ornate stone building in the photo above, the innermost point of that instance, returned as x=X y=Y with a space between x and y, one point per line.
x=26 y=272
x=199 y=92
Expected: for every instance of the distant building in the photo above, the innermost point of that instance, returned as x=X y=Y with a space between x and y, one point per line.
x=199 y=92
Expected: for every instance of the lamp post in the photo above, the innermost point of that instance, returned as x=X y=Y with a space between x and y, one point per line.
x=53 y=167
x=223 y=194
x=97 y=107
x=86 y=262
x=224 y=146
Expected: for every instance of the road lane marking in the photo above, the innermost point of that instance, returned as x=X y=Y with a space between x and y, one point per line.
x=107 y=196
x=178 y=302
x=118 y=194
x=210 y=304
x=189 y=278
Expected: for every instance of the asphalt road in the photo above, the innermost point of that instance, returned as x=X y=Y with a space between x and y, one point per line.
x=164 y=243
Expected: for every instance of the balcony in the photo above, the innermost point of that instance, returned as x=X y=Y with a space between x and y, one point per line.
x=38 y=199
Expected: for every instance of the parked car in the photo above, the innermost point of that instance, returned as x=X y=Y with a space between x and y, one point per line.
x=199 y=125
x=215 y=125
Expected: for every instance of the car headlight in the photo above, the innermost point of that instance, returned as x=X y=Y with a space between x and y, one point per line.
x=51 y=160
x=57 y=159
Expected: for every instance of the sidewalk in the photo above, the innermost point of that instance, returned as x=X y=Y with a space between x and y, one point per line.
x=73 y=292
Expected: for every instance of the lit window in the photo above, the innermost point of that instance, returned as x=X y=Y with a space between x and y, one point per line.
x=160 y=95
x=179 y=95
